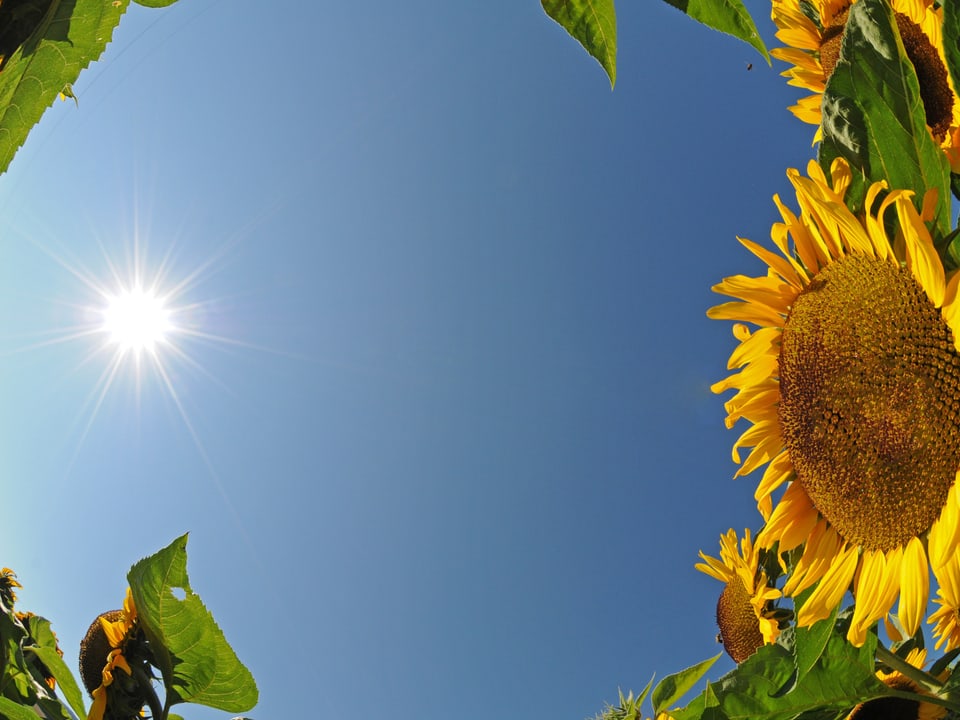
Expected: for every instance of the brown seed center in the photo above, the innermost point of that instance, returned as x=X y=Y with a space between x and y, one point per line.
x=739 y=626
x=935 y=89
x=870 y=401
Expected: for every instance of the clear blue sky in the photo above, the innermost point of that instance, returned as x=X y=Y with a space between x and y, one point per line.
x=453 y=450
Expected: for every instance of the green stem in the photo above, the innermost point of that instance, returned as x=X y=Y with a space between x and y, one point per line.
x=922 y=679
x=143 y=680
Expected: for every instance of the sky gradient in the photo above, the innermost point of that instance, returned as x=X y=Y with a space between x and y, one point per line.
x=442 y=435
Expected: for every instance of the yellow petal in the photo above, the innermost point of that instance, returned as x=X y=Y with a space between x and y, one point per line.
x=792 y=521
x=922 y=258
x=914 y=586
x=877 y=584
x=830 y=591
x=944 y=534
x=99 y=704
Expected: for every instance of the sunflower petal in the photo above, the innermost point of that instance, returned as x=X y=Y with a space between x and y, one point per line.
x=914 y=586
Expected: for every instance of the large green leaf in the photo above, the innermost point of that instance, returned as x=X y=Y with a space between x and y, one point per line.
x=727 y=16
x=197 y=663
x=842 y=677
x=673 y=687
x=593 y=23
x=69 y=36
x=873 y=115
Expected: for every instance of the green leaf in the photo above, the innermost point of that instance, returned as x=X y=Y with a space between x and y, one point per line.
x=727 y=16
x=43 y=644
x=9 y=710
x=593 y=23
x=940 y=665
x=809 y=644
x=53 y=708
x=873 y=115
x=673 y=687
x=68 y=37
x=61 y=673
x=197 y=663
x=155 y=3
x=15 y=678
x=951 y=40
x=842 y=677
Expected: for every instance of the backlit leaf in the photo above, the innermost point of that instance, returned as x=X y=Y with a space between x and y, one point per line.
x=67 y=38
x=197 y=663
x=727 y=16
x=673 y=687
x=593 y=23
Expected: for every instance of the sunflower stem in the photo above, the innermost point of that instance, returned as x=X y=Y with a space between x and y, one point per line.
x=924 y=680
x=143 y=680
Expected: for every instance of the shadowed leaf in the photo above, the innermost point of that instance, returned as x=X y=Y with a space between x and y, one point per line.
x=873 y=115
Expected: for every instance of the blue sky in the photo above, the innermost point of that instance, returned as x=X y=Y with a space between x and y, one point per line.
x=451 y=445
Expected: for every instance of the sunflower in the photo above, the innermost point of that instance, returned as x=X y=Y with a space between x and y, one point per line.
x=8 y=581
x=102 y=653
x=812 y=31
x=745 y=613
x=852 y=388
x=896 y=707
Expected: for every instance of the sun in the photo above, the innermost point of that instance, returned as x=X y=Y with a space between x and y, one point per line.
x=136 y=320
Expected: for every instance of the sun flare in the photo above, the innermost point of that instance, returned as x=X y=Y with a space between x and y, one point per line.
x=136 y=320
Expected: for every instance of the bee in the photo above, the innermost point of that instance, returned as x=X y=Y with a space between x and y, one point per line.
x=749 y=66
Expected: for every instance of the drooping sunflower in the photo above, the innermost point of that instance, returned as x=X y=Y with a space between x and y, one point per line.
x=103 y=652
x=812 y=31
x=8 y=581
x=852 y=388
x=896 y=707
x=745 y=613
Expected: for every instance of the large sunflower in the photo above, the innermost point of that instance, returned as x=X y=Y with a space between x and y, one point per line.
x=8 y=581
x=852 y=386
x=745 y=613
x=812 y=31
